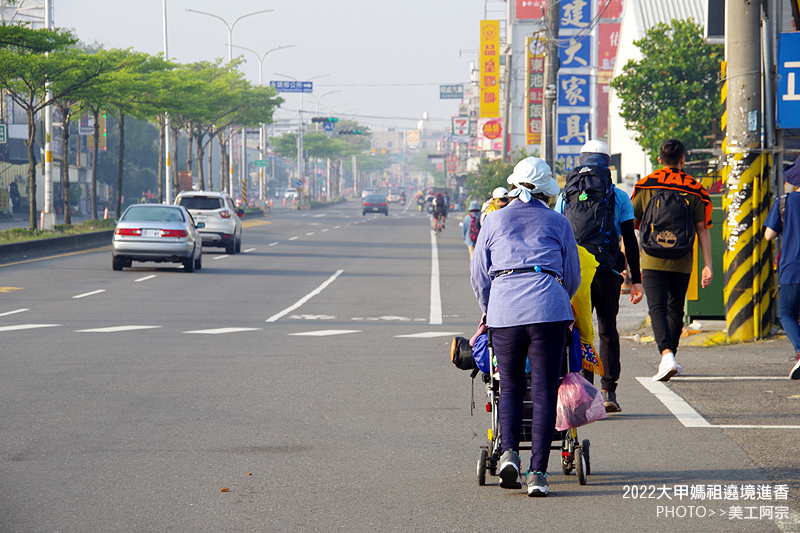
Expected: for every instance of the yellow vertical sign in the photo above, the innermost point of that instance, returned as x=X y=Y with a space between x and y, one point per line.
x=489 y=67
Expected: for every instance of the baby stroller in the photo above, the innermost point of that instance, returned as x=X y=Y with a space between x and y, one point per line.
x=575 y=455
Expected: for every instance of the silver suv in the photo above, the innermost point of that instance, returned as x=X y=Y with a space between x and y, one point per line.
x=223 y=227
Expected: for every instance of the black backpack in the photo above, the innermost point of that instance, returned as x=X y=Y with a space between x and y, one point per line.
x=589 y=205
x=667 y=228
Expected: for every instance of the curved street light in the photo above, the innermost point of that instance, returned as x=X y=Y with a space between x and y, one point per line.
x=261 y=58
x=229 y=27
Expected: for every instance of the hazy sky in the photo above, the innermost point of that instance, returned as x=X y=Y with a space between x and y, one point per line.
x=387 y=57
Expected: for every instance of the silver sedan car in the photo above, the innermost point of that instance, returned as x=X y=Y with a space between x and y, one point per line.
x=157 y=233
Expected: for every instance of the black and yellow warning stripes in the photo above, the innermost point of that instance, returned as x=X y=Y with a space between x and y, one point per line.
x=747 y=260
x=244 y=191
x=749 y=292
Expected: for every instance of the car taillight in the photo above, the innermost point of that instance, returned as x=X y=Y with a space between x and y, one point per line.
x=225 y=213
x=173 y=233
x=383 y=204
x=127 y=232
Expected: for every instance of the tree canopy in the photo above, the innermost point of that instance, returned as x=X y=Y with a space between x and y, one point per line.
x=674 y=90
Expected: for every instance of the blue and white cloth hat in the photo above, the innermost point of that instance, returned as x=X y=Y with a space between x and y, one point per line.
x=533 y=171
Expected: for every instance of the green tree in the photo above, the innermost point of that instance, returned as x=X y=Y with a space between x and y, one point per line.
x=673 y=91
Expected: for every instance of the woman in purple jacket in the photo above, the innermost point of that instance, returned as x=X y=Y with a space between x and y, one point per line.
x=524 y=271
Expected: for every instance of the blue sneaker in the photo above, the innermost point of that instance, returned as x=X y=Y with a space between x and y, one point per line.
x=509 y=470
x=537 y=484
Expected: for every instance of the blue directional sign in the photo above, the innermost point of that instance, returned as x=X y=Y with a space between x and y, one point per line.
x=788 y=94
x=293 y=86
x=328 y=126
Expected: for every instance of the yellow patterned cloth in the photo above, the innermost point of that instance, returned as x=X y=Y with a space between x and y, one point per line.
x=582 y=310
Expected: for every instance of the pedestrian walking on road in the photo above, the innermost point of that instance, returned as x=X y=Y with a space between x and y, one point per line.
x=498 y=200
x=471 y=226
x=524 y=271
x=670 y=208
x=592 y=203
x=784 y=218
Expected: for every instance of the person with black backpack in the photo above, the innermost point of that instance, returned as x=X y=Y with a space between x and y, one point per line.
x=599 y=213
x=671 y=208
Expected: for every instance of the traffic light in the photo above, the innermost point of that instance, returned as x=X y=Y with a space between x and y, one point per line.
x=325 y=119
x=349 y=132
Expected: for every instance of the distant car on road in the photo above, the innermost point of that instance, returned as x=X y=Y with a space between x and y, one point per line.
x=375 y=203
x=159 y=233
x=367 y=192
x=223 y=227
x=291 y=193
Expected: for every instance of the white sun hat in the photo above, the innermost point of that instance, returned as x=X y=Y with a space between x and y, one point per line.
x=533 y=171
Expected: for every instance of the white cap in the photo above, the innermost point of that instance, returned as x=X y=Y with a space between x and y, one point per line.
x=536 y=172
x=595 y=147
x=500 y=192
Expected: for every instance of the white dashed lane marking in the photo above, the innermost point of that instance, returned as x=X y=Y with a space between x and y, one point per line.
x=16 y=311
x=115 y=329
x=220 y=331
x=325 y=332
x=428 y=335
x=84 y=295
x=28 y=326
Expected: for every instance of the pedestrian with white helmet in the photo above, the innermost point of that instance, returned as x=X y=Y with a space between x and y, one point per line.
x=471 y=226
x=600 y=214
x=524 y=271
x=498 y=200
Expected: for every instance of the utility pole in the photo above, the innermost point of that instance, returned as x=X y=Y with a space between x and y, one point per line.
x=509 y=54
x=747 y=261
x=551 y=64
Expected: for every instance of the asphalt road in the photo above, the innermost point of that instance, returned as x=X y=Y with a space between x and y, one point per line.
x=305 y=385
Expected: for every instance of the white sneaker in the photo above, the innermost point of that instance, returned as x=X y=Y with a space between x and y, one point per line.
x=667 y=368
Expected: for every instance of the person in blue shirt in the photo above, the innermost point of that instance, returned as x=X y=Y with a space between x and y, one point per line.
x=524 y=271
x=606 y=284
x=474 y=213
x=788 y=223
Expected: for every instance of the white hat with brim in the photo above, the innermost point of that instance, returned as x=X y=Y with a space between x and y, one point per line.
x=534 y=171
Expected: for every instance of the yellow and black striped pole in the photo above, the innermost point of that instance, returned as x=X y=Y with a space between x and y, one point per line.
x=747 y=257
x=244 y=192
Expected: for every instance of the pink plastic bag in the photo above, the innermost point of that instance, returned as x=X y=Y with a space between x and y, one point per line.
x=579 y=403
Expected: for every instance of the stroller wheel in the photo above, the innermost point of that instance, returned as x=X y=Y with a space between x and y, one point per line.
x=580 y=465
x=587 y=455
x=482 y=467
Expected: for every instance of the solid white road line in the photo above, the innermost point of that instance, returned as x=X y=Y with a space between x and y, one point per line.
x=428 y=335
x=28 y=326
x=14 y=312
x=115 y=329
x=728 y=378
x=436 y=295
x=686 y=414
x=144 y=278
x=305 y=298
x=218 y=331
x=84 y=295
x=325 y=332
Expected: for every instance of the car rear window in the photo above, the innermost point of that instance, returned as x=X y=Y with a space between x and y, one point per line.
x=375 y=199
x=200 y=202
x=153 y=214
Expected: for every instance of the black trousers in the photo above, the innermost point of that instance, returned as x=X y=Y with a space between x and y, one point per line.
x=666 y=295
x=605 y=301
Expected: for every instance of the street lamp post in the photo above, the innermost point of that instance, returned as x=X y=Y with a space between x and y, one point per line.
x=168 y=173
x=230 y=27
x=261 y=133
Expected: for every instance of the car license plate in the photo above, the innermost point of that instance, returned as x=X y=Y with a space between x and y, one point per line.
x=151 y=233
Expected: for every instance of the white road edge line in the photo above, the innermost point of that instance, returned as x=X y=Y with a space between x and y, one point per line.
x=436 y=295
x=14 y=312
x=305 y=298
x=84 y=295
x=729 y=378
x=685 y=413
x=144 y=278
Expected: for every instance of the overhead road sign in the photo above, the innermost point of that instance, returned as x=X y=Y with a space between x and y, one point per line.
x=788 y=96
x=3 y=134
x=455 y=92
x=261 y=162
x=293 y=86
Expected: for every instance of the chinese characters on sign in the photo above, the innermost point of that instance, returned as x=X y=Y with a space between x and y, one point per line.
x=455 y=92
x=788 y=95
x=293 y=86
x=489 y=69
x=535 y=74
